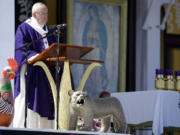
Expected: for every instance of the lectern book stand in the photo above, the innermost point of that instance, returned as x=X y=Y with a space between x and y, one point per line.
x=69 y=54
x=73 y=53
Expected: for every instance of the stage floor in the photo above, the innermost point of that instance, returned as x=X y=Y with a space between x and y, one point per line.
x=29 y=131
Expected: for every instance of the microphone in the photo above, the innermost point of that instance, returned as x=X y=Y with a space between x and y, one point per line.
x=58 y=26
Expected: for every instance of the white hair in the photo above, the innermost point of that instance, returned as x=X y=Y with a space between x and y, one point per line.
x=36 y=6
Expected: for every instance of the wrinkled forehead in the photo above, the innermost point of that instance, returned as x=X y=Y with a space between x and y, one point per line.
x=79 y=93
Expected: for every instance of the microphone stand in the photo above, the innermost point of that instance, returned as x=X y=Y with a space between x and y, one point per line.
x=26 y=48
x=58 y=32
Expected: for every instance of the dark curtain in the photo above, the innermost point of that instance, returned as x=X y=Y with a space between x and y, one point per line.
x=131 y=46
x=61 y=17
x=23 y=10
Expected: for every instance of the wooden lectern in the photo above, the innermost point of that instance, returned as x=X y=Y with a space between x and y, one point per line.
x=69 y=54
x=73 y=53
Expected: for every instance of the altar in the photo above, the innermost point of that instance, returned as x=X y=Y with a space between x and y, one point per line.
x=159 y=107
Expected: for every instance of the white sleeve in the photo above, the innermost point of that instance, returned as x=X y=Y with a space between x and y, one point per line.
x=32 y=57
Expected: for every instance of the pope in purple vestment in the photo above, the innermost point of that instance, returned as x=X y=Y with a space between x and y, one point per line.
x=39 y=93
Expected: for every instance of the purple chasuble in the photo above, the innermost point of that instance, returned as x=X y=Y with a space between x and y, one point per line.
x=40 y=97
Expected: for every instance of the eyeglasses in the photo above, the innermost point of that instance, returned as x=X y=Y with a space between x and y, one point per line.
x=43 y=14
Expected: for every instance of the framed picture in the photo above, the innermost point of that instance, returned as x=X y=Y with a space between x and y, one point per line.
x=171 y=38
x=103 y=26
x=173 y=24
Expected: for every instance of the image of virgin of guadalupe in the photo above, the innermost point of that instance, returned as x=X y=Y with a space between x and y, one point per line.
x=95 y=35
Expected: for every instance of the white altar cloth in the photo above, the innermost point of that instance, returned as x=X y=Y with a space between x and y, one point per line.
x=159 y=106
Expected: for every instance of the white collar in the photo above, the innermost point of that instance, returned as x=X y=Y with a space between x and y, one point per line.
x=38 y=27
x=36 y=22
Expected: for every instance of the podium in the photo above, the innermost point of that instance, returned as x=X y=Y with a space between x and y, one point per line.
x=69 y=54
x=73 y=53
